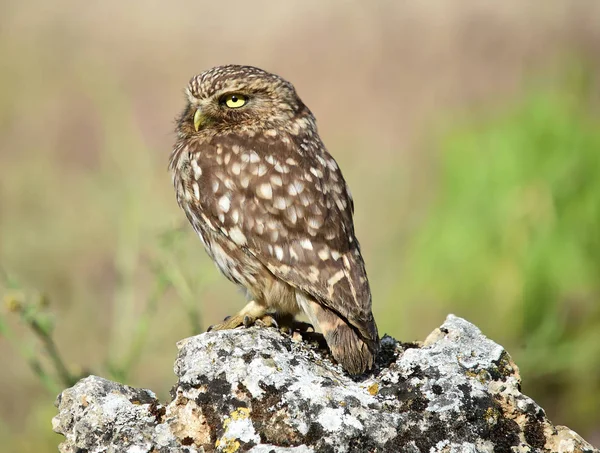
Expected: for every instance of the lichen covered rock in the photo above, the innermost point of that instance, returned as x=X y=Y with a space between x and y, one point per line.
x=257 y=390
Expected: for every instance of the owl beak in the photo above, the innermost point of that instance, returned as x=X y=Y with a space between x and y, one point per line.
x=199 y=118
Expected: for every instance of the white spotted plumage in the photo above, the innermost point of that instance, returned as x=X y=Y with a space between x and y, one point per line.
x=272 y=207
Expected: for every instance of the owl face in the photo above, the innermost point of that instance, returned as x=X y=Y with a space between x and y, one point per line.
x=230 y=98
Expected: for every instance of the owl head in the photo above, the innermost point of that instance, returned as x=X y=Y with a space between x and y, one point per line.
x=236 y=98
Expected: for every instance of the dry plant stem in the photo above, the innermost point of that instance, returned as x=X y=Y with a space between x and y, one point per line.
x=185 y=293
x=142 y=327
x=51 y=385
x=66 y=377
x=33 y=362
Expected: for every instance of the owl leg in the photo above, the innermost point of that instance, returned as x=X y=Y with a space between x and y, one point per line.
x=348 y=348
x=252 y=313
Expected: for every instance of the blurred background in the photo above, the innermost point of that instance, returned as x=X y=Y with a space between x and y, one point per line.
x=468 y=131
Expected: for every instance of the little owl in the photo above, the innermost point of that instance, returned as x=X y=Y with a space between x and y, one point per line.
x=272 y=208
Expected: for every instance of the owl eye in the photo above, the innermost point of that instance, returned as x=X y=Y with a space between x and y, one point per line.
x=234 y=101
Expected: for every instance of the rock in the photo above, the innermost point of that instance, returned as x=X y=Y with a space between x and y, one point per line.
x=257 y=390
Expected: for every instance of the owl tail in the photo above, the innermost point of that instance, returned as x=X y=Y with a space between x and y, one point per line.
x=351 y=349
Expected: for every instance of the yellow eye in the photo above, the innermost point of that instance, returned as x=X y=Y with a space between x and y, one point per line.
x=235 y=101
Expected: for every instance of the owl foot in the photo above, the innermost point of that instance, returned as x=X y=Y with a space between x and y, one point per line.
x=264 y=321
x=232 y=322
x=295 y=326
x=302 y=326
x=288 y=325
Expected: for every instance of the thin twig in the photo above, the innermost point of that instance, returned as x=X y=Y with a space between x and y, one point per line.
x=64 y=374
x=142 y=327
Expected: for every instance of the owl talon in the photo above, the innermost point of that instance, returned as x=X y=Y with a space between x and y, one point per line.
x=288 y=325
x=230 y=322
x=267 y=321
x=303 y=327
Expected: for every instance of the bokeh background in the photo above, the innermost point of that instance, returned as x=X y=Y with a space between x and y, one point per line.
x=469 y=133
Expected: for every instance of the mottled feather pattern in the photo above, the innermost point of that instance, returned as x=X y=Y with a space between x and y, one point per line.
x=272 y=207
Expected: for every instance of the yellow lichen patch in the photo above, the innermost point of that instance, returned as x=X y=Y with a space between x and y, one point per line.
x=491 y=415
x=227 y=445
x=240 y=413
x=484 y=376
x=226 y=423
x=373 y=389
x=230 y=444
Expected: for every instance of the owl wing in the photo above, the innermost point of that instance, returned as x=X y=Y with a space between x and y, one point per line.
x=287 y=204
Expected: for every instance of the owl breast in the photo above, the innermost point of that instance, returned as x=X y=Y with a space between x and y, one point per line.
x=216 y=203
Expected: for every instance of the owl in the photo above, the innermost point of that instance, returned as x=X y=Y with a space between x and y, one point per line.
x=272 y=208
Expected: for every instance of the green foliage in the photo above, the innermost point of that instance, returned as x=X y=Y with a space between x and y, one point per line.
x=513 y=240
